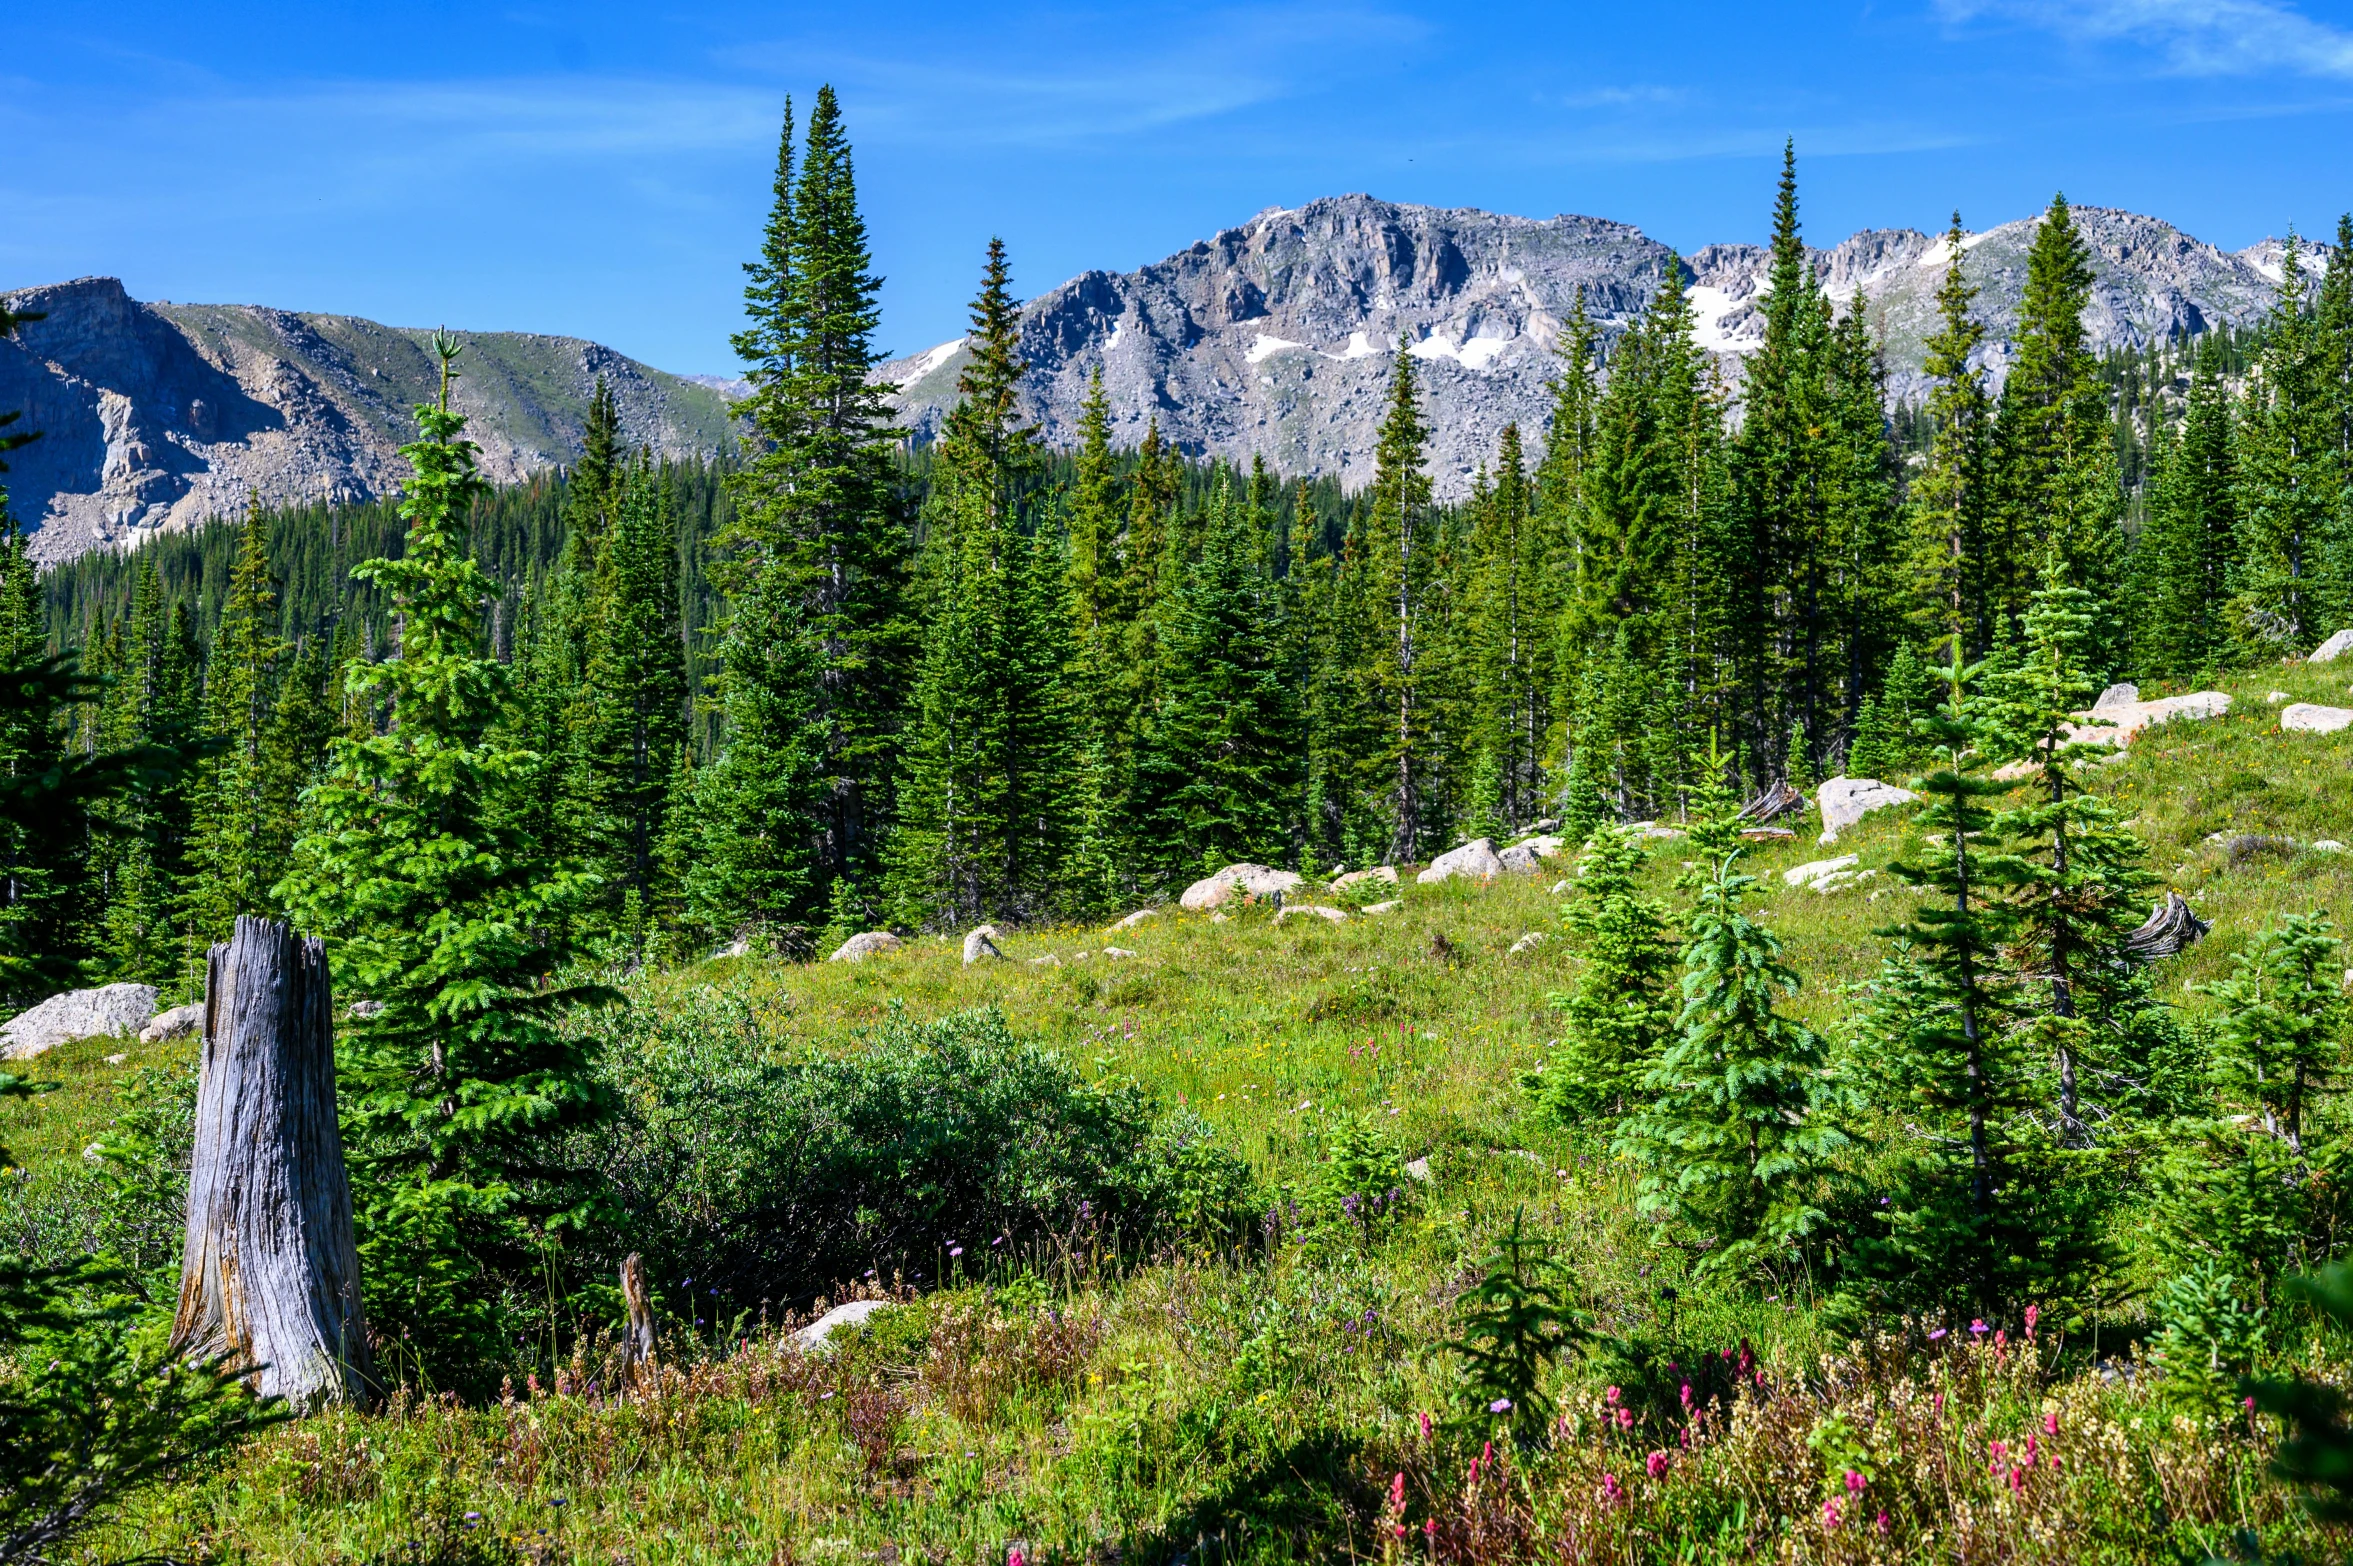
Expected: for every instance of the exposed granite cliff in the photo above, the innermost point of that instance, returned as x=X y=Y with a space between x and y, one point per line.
x=161 y=415
x=1276 y=336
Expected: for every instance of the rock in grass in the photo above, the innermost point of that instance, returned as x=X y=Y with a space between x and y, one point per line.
x=77 y=1014
x=2309 y=718
x=1296 y=910
x=2334 y=648
x=1391 y=906
x=1475 y=861
x=1383 y=873
x=1136 y=918
x=1845 y=801
x=1117 y=951
x=1237 y=880
x=860 y=947
x=815 y=1338
x=176 y=1023
x=1527 y=943
x=981 y=946
x=1820 y=869
x=2120 y=723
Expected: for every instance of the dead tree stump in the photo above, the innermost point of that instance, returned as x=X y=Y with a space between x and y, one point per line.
x=270 y=1276
x=637 y=1340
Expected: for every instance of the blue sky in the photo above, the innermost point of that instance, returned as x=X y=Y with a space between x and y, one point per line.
x=602 y=170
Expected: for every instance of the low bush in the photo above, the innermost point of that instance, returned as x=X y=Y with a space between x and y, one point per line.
x=939 y=1149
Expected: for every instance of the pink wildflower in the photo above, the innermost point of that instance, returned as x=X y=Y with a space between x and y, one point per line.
x=1397 y=1495
x=1686 y=1394
x=1611 y=1491
x=2018 y=1480
x=2030 y=1452
x=2050 y=1424
x=1610 y=1396
x=2033 y=1313
x=1882 y=1522
x=1830 y=1512
x=1655 y=1464
x=1014 y=1557
x=1625 y=1419
x=1855 y=1482
x=1425 y=1427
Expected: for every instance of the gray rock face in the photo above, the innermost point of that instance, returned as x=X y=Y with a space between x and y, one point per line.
x=2334 y=648
x=1845 y=801
x=1234 y=881
x=157 y=416
x=981 y=946
x=815 y=1338
x=77 y=1014
x=2310 y=718
x=1275 y=338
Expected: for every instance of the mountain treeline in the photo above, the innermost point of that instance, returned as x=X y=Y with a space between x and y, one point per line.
x=832 y=683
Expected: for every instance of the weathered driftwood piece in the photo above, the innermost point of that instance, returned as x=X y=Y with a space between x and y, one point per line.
x=2171 y=929
x=270 y=1276
x=637 y=1339
x=1779 y=800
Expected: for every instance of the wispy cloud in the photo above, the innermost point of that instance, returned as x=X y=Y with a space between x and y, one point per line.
x=2191 y=37
x=1629 y=97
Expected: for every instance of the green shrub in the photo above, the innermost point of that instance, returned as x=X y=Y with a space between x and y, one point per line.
x=777 y=1180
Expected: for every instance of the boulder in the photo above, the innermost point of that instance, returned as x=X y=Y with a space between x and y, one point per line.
x=1333 y=915
x=1845 y=801
x=1544 y=843
x=363 y=1010
x=981 y=946
x=176 y=1023
x=814 y=1338
x=1391 y=906
x=1475 y=861
x=2118 y=697
x=2328 y=845
x=2120 y=723
x=1768 y=835
x=1136 y=918
x=2334 y=648
x=1527 y=943
x=1047 y=961
x=77 y=1014
x=1819 y=870
x=2306 y=718
x=1386 y=874
x=2276 y=697
x=1652 y=832
x=860 y=947
x=1519 y=859
x=1236 y=880
x=1117 y=951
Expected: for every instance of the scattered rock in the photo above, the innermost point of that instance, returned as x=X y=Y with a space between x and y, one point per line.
x=814 y=1337
x=1527 y=943
x=1544 y=843
x=1334 y=915
x=741 y=946
x=1218 y=918
x=1117 y=951
x=116 y=1060
x=1840 y=880
x=1519 y=859
x=178 y=1022
x=77 y=1014
x=1386 y=874
x=1768 y=835
x=1136 y=918
x=2306 y=718
x=1652 y=832
x=2334 y=648
x=2121 y=723
x=981 y=944
x=2328 y=845
x=1548 y=824
x=2276 y=697
x=1475 y=861
x=363 y=1010
x=1391 y=906
x=1808 y=874
x=1846 y=801
x=1419 y=1168
x=1560 y=887
x=2118 y=697
x=1047 y=961
x=1247 y=880
x=860 y=947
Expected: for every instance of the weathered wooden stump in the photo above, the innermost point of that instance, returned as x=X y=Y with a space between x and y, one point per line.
x=637 y=1340
x=270 y=1276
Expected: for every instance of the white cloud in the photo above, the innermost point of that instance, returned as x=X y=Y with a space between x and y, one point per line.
x=2194 y=37
x=1621 y=97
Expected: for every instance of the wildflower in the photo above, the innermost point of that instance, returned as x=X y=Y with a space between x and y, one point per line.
x=1655 y=1464
x=1014 y=1557
x=2018 y=1481
x=1686 y=1394
x=1977 y=1329
x=1501 y=1405
x=1882 y=1524
x=1625 y=1419
x=2050 y=1424
x=1397 y=1495
x=1938 y=1333
x=1611 y=1490
x=2032 y=1312
x=2001 y=1340
x=1425 y=1427
x=1610 y=1396
x=1855 y=1482
x=955 y=1250
x=1830 y=1512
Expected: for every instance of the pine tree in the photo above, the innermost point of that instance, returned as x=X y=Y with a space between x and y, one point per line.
x=1738 y=1131
x=2189 y=544
x=1508 y=603
x=458 y=1093
x=1617 y=1019
x=1220 y=777
x=153 y=701
x=2282 y=1034
x=239 y=843
x=1951 y=552
x=2056 y=482
x=2290 y=590
x=1863 y=526
x=2078 y=868
x=1397 y=529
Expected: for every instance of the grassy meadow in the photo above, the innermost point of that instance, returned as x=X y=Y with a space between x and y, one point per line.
x=1266 y=1400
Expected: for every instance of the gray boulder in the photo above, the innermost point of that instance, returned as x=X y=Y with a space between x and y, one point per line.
x=1845 y=801
x=1317 y=910
x=1476 y=860
x=2308 y=718
x=2334 y=648
x=1237 y=881
x=981 y=946
x=860 y=947
x=815 y=1338
x=77 y=1014
x=1386 y=874
x=1391 y=906
x=176 y=1023
x=1136 y=918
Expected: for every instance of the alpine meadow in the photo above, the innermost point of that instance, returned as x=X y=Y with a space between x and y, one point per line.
x=1763 y=979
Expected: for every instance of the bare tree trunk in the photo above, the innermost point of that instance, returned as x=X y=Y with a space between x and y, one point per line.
x=637 y=1341
x=270 y=1276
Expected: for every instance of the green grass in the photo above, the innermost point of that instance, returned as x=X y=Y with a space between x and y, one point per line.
x=1257 y=1406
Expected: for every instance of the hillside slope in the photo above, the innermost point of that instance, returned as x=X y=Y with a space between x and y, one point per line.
x=156 y=415
x=1275 y=337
